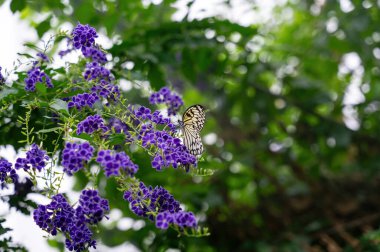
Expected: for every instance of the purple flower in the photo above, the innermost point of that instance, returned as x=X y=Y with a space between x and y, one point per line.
x=83 y=36
x=91 y=124
x=95 y=53
x=95 y=71
x=82 y=100
x=7 y=171
x=80 y=236
x=35 y=75
x=75 y=156
x=143 y=113
x=60 y=216
x=172 y=151
x=106 y=89
x=184 y=219
x=158 y=118
x=35 y=158
x=181 y=219
x=172 y=100
x=163 y=220
x=43 y=57
x=92 y=206
x=56 y=215
x=144 y=200
x=112 y=163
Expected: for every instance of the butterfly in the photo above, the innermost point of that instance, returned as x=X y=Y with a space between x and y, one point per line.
x=193 y=120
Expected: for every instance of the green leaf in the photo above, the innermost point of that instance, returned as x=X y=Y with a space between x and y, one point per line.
x=43 y=27
x=26 y=55
x=60 y=106
x=41 y=88
x=32 y=46
x=84 y=136
x=17 y=5
x=56 y=244
x=8 y=91
x=55 y=129
x=118 y=138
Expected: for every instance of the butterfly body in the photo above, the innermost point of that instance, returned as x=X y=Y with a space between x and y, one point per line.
x=193 y=120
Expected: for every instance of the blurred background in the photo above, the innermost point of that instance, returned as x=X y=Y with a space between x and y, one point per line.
x=292 y=134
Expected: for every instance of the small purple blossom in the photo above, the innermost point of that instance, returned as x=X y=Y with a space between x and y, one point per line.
x=82 y=100
x=92 y=206
x=143 y=113
x=7 y=171
x=91 y=124
x=43 y=57
x=35 y=158
x=106 y=89
x=75 y=156
x=35 y=75
x=95 y=71
x=80 y=236
x=171 y=99
x=184 y=219
x=163 y=220
x=114 y=162
x=158 y=118
x=181 y=219
x=95 y=54
x=83 y=36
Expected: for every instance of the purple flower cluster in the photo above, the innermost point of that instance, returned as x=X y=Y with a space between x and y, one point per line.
x=145 y=201
x=181 y=219
x=103 y=85
x=35 y=75
x=6 y=171
x=95 y=53
x=113 y=162
x=60 y=216
x=35 y=158
x=95 y=71
x=2 y=79
x=43 y=57
x=83 y=36
x=143 y=113
x=172 y=151
x=93 y=206
x=75 y=156
x=106 y=89
x=91 y=124
x=172 y=100
x=81 y=100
